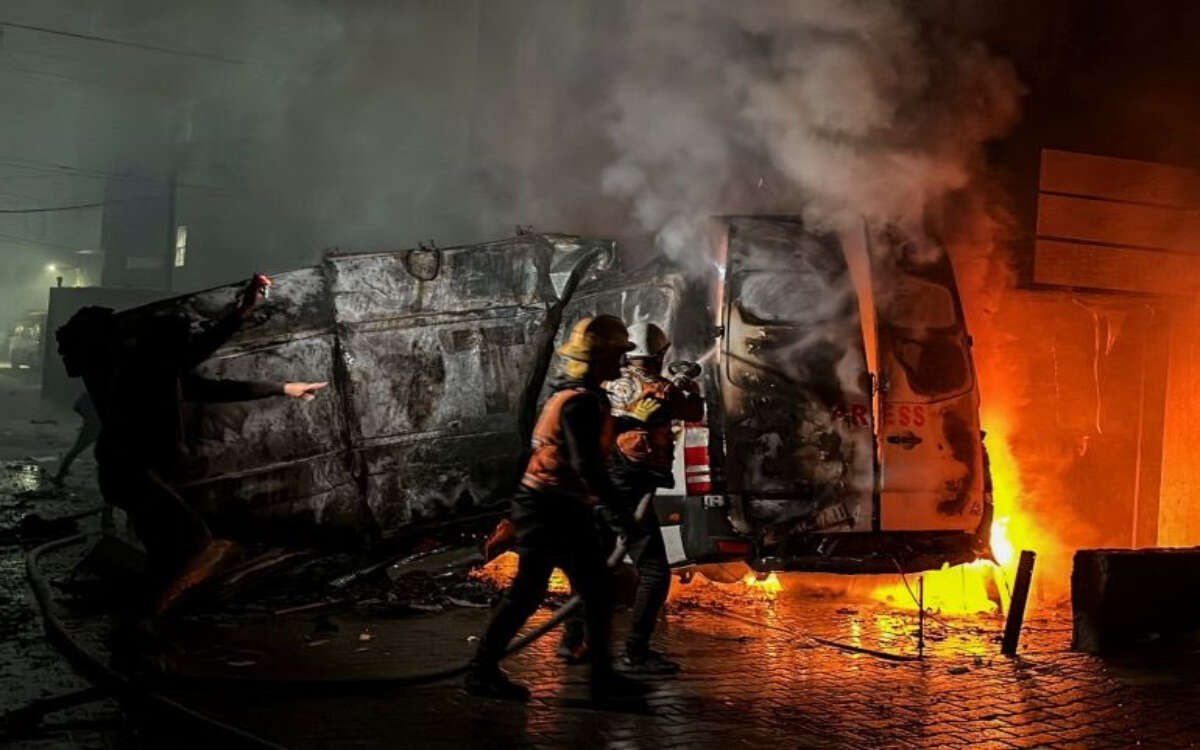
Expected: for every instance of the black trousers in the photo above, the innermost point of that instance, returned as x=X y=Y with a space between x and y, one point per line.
x=170 y=529
x=553 y=532
x=647 y=551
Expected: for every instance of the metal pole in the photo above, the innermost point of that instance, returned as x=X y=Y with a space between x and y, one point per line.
x=1016 y=607
x=921 y=617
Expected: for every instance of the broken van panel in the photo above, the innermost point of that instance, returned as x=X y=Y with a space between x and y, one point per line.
x=794 y=383
x=821 y=469
x=436 y=359
x=426 y=354
x=931 y=451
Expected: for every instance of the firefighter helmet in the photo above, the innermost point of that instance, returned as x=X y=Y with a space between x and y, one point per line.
x=596 y=336
x=648 y=341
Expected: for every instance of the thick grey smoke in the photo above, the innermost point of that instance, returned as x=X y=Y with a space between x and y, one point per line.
x=833 y=109
x=302 y=125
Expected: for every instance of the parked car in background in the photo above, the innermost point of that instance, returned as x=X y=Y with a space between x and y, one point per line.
x=25 y=341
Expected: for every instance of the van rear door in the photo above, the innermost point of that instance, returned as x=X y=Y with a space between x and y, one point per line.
x=798 y=433
x=932 y=476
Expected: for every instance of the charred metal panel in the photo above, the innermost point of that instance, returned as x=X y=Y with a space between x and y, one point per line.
x=429 y=475
x=273 y=464
x=315 y=497
x=427 y=353
x=298 y=307
x=471 y=280
x=240 y=437
x=796 y=391
x=432 y=370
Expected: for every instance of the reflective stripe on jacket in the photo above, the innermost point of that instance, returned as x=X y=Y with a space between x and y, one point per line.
x=550 y=467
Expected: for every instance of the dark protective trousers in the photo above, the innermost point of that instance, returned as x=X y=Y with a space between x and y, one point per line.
x=646 y=550
x=648 y=553
x=170 y=529
x=554 y=532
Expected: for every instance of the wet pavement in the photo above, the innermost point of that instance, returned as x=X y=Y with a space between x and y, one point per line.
x=758 y=680
x=32 y=438
x=757 y=671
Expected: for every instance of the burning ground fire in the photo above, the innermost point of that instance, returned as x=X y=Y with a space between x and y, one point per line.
x=982 y=586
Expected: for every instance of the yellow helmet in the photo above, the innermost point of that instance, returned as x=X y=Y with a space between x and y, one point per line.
x=596 y=336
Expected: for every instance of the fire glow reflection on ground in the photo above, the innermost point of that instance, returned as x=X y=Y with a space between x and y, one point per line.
x=980 y=586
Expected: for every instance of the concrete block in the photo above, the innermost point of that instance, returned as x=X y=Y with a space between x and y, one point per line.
x=1124 y=599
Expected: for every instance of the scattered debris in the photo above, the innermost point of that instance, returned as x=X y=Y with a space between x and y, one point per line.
x=958 y=670
x=34 y=527
x=312 y=607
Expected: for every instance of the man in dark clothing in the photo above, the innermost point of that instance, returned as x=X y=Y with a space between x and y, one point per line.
x=554 y=512
x=137 y=372
x=89 y=431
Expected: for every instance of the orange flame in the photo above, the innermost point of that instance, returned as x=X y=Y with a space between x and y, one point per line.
x=983 y=585
x=766 y=588
x=501 y=571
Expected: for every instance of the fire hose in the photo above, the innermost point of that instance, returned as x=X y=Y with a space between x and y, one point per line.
x=128 y=690
x=556 y=618
x=104 y=676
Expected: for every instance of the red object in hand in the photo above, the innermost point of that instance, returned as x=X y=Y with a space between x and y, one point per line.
x=263 y=283
x=503 y=538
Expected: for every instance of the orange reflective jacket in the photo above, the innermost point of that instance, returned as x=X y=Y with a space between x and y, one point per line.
x=549 y=466
x=651 y=442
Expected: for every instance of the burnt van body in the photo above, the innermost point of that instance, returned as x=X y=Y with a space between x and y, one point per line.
x=810 y=456
x=842 y=424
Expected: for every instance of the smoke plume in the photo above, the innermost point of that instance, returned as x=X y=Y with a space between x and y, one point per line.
x=830 y=109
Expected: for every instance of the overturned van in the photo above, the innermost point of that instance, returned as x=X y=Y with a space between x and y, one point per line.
x=841 y=433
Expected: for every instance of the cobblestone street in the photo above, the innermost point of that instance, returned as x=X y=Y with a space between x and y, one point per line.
x=749 y=686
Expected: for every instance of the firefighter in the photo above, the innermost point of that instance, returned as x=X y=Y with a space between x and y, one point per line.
x=554 y=512
x=645 y=404
x=137 y=372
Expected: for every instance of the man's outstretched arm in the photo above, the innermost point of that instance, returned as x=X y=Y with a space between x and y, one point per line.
x=202 y=345
x=201 y=389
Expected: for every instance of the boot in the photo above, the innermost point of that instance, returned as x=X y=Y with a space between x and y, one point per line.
x=609 y=689
x=646 y=662
x=490 y=681
x=573 y=647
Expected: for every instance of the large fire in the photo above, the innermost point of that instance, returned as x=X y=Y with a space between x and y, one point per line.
x=983 y=585
x=764 y=587
x=501 y=571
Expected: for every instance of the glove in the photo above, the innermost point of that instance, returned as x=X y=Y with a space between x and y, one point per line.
x=503 y=538
x=258 y=286
x=619 y=522
x=645 y=408
x=682 y=373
